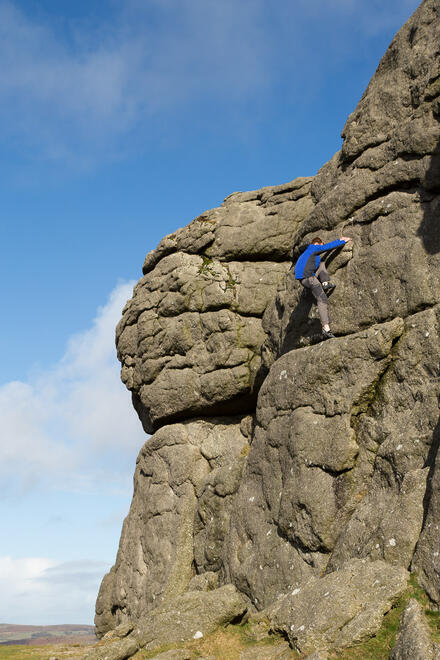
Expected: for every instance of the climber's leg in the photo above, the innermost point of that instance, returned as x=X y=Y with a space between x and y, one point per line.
x=324 y=277
x=322 y=273
x=318 y=292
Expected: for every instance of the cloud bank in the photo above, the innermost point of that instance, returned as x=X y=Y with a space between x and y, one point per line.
x=72 y=426
x=37 y=589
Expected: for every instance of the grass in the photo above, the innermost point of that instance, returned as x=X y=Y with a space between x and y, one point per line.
x=379 y=646
x=37 y=652
x=224 y=644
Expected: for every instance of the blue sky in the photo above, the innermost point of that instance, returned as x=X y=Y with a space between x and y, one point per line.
x=121 y=121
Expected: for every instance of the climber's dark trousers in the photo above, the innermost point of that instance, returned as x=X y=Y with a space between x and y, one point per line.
x=314 y=284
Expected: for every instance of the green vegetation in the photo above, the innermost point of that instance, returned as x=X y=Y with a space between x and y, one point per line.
x=206 y=267
x=43 y=652
x=379 y=647
x=224 y=644
x=16 y=652
x=230 y=282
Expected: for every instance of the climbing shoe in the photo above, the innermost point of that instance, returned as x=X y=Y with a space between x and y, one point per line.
x=328 y=286
x=328 y=334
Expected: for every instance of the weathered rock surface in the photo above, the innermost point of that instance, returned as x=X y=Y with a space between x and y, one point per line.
x=119 y=649
x=180 y=470
x=280 y=463
x=340 y=609
x=382 y=189
x=335 y=472
x=190 y=338
x=308 y=465
x=414 y=639
x=190 y=615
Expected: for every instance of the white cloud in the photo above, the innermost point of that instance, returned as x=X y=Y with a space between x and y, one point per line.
x=37 y=590
x=73 y=425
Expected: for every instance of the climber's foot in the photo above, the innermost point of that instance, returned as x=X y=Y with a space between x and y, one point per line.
x=328 y=286
x=328 y=334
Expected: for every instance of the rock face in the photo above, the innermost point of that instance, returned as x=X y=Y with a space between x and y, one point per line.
x=344 y=607
x=414 y=638
x=190 y=339
x=185 y=473
x=280 y=463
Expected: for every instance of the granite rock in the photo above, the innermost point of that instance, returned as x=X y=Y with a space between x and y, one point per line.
x=382 y=190
x=414 y=639
x=307 y=467
x=188 y=616
x=155 y=561
x=340 y=609
x=189 y=340
x=192 y=615
x=280 y=463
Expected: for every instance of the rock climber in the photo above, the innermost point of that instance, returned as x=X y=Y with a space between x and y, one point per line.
x=313 y=275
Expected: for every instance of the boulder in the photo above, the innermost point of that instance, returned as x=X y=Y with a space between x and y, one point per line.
x=116 y=649
x=340 y=609
x=414 y=639
x=192 y=615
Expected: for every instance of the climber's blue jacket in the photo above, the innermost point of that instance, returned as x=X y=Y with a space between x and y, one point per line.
x=309 y=261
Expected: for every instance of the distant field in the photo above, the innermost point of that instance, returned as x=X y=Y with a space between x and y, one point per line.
x=60 y=651
x=40 y=635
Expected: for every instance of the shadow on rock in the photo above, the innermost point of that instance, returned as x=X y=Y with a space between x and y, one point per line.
x=431 y=463
x=300 y=329
x=430 y=225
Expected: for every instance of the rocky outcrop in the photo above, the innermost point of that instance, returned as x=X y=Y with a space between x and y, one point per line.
x=381 y=189
x=185 y=474
x=340 y=609
x=190 y=339
x=190 y=343
x=280 y=463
